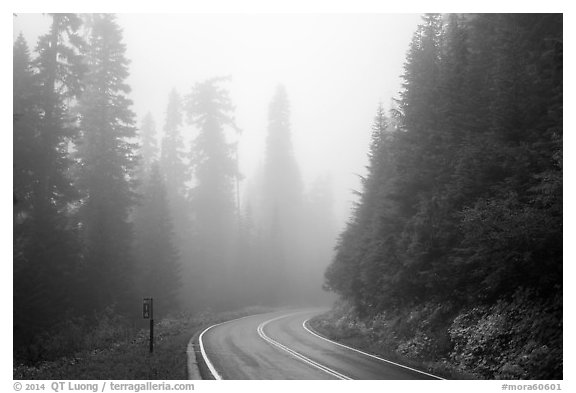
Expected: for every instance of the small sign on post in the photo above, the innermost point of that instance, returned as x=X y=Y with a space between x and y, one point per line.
x=147 y=308
x=148 y=313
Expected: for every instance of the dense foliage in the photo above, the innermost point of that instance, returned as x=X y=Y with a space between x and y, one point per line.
x=460 y=217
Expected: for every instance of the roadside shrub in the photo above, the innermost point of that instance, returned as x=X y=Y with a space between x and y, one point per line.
x=113 y=341
x=77 y=334
x=420 y=346
x=514 y=339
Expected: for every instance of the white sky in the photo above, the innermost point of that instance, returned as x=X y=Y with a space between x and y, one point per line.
x=336 y=68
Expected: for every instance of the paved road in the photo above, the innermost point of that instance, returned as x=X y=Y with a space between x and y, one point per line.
x=280 y=346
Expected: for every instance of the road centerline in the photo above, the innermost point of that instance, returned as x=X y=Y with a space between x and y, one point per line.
x=210 y=365
x=288 y=331
x=294 y=353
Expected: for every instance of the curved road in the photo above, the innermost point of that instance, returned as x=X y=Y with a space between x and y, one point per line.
x=280 y=345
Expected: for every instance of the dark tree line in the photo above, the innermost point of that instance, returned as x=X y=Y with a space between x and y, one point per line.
x=78 y=183
x=462 y=203
x=46 y=239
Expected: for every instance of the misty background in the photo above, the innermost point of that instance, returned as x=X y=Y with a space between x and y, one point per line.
x=336 y=69
x=209 y=161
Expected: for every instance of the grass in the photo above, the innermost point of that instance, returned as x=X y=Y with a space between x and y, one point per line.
x=130 y=359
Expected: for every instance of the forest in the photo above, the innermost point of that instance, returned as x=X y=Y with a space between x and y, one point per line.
x=452 y=255
x=454 y=251
x=107 y=213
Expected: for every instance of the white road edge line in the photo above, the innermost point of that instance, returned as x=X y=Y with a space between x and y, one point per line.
x=211 y=367
x=292 y=352
x=365 y=353
x=203 y=351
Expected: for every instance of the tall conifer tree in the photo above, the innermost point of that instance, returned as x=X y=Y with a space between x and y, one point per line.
x=158 y=266
x=108 y=159
x=173 y=153
x=47 y=248
x=282 y=199
x=214 y=169
x=26 y=126
x=148 y=145
x=176 y=173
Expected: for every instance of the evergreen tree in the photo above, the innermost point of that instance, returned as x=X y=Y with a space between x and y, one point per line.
x=107 y=156
x=46 y=245
x=359 y=270
x=158 y=266
x=523 y=133
x=173 y=151
x=282 y=200
x=28 y=287
x=419 y=145
x=282 y=182
x=176 y=173
x=214 y=168
x=26 y=127
x=460 y=211
x=319 y=235
x=148 y=144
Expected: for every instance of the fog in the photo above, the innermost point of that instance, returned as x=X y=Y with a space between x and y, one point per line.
x=336 y=68
x=198 y=168
x=267 y=236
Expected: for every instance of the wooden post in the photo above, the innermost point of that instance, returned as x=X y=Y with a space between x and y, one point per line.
x=148 y=313
x=151 y=335
x=151 y=325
